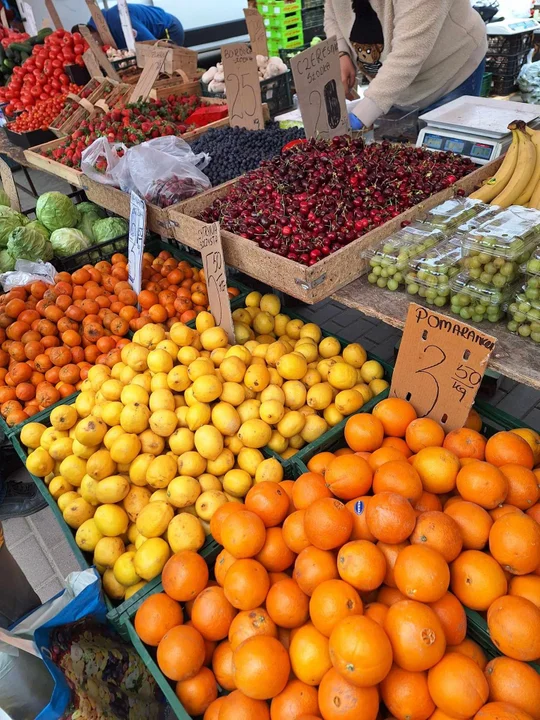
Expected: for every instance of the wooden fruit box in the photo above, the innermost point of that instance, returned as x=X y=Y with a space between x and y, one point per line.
x=309 y=284
x=41 y=162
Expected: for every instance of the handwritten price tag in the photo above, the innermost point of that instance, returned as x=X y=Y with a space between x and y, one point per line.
x=243 y=87
x=440 y=366
x=53 y=12
x=137 y=233
x=149 y=74
x=98 y=53
x=257 y=31
x=125 y=21
x=317 y=79
x=29 y=19
x=101 y=24
x=216 y=277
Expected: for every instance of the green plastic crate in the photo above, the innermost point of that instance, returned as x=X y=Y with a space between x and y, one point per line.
x=283 y=22
x=485 y=87
x=278 y=7
x=286 y=37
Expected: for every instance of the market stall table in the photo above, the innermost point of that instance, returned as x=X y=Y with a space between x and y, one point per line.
x=515 y=357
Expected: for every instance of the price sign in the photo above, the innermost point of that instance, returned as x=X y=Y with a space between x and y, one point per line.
x=92 y=64
x=243 y=87
x=256 y=30
x=29 y=20
x=125 y=21
x=8 y=183
x=440 y=366
x=317 y=79
x=101 y=24
x=3 y=17
x=216 y=277
x=98 y=53
x=149 y=74
x=137 y=233
x=55 y=17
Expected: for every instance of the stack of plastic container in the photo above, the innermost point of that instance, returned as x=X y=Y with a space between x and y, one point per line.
x=283 y=23
x=524 y=310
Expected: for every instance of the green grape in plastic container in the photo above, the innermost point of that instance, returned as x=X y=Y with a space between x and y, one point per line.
x=524 y=315
x=430 y=273
x=474 y=300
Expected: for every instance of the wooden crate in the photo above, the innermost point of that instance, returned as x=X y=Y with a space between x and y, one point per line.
x=309 y=284
x=41 y=162
x=177 y=57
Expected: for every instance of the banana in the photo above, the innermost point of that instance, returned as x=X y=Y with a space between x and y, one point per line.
x=523 y=173
x=500 y=180
x=527 y=194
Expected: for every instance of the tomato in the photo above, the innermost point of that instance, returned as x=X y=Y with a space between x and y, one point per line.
x=77 y=37
x=78 y=48
x=55 y=84
x=9 y=110
x=64 y=80
x=79 y=60
x=35 y=90
x=69 y=57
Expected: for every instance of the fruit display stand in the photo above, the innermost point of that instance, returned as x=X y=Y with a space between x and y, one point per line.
x=319 y=281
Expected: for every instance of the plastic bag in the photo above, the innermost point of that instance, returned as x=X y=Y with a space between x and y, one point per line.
x=100 y=158
x=28 y=271
x=163 y=171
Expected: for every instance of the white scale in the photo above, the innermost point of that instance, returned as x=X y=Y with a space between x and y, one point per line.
x=475 y=127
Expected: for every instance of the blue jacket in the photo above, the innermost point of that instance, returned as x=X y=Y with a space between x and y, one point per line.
x=149 y=22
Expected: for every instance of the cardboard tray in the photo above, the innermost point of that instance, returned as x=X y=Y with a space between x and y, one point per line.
x=309 y=284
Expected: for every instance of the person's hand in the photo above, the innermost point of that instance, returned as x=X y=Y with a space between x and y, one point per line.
x=356 y=123
x=348 y=74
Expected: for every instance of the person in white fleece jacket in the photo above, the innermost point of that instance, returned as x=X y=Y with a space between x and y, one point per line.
x=420 y=53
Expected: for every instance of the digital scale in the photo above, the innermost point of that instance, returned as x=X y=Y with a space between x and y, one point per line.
x=474 y=127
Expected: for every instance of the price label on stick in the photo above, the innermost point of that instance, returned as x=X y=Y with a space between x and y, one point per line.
x=92 y=64
x=8 y=183
x=101 y=24
x=29 y=21
x=257 y=31
x=3 y=17
x=137 y=233
x=243 y=87
x=149 y=74
x=125 y=21
x=440 y=366
x=100 y=56
x=216 y=277
x=55 y=17
x=317 y=79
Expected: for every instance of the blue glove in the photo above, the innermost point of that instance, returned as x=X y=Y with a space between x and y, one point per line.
x=356 y=123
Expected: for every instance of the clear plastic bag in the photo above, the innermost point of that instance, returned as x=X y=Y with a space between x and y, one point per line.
x=163 y=171
x=28 y=271
x=100 y=158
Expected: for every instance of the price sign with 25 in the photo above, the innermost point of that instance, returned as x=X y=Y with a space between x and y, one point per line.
x=243 y=87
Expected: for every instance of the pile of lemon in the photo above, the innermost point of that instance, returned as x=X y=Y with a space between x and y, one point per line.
x=151 y=448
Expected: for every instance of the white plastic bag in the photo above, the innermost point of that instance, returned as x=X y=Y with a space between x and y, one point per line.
x=163 y=171
x=27 y=271
x=100 y=158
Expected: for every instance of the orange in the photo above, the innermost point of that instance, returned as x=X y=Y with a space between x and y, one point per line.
x=452 y=616
x=474 y=421
x=364 y=432
x=246 y=584
x=438 y=469
x=222 y=666
x=221 y=567
x=390 y=517
x=376 y=611
x=458 y=686
x=184 y=576
x=483 y=484
x=197 y=693
x=309 y=653
x=269 y=501
x=249 y=623
x=238 y=706
x=391 y=553
x=327 y=523
x=219 y=516
x=422 y=433
x=296 y=700
x=427 y=502
x=361 y=564
x=527 y=586
x=360 y=651
x=533 y=439
x=212 y=614
x=181 y=652
x=523 y=486
x=332 y=601
x=348 y=476
x=398 y=444
x=275 y=555
x=514 y=682
x=466 y=443
x=312 y=567
x=514 y=627
x=474 y=523
x=477 y=580
x=398 y=476
x=357 y=508
x=384 y=455
x=243 y=534
x=395 y=415
x=319 y=463
x=501 y=711
x=472 y=650
x=294 y=534
x=440 y=532
x=507 y=447
x=287 y=604
x=340 y=700
x=421 y=573
x=514 y=542
x=308 y=488
x=417 y=635
x=406 y=694
x=261 y=667
x=156 y=616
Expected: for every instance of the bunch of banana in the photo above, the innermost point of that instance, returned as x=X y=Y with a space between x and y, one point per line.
x=517 y=181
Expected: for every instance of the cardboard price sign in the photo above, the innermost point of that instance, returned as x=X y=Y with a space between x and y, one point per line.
x=257 y=31
x=149 y=74
x=3 y=17
x=8 y=183
x=53 y=13
x=317 y=79
x=101 y=24
x=29 y=21
x=243 y=87
x=216 y=277
x=440 y=366
x=98 y=53
x=125 y=21
x=92 y=64
x=137 y=234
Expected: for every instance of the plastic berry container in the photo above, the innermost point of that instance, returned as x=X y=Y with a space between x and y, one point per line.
x=389 y=260
x=531 y=270
x=524 y=314
x=430 y=273
x=494 y=252
x=454 y=212
x=475 y=222
x=474 y=300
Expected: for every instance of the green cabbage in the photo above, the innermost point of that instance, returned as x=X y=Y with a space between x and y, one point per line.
x=86 y=225
x=36 y=225
x=55 y=210
x=68 y=241
x=90 y=208
x=4 y=199
x=110 y=228
x=9 y=220
x=7 y=262
x=29 y=244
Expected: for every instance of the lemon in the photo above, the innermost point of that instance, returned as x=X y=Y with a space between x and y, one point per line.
x=112 y=389
x=269 y=470
x=225 y=418
x=161 y=471
x=295 y=394
x=378 y=386
x=233 y=393
x=108 y=550
x=185 y=532
x=208 y=442
x=371 y=370
x=213 y=338
x=58 y=486
x=314 y=427
x=151 y=443
x=271 y=304
x=62 y=417
x=150 y=558
x=277 y=442
x=88 y=535
x=263 y=323
x=124 y=570
x=208 y=502
x=329 y=347
x=271 y=411
x=254 y=433
x=237 y=483
x=355 y=355
x=132 y=589
x=232 y=369
x=310 y=330
x=178 y=378
x=342 y=376
x=320 y=396
x=249 y=410
x=293 y=328
x=154 y=519
x=207 y=481
x=66 y=498
x=191 y=463
x=253 y=299
x=73 y=468
x=139 y=467
x=207 y=388
x=291 y=424
x=240 y=352
x=257 y=377
x=134 y=418
x=292 y=366
x=186 y=355
x=124 y=449
x=249 y=459
x=224 y=462
x=61 y=448
x=162 y=399
x=135 y=500
x=113 y=589
x=332 y=415
x=181 y=334
x=242 y=315
x=181 y=441
x=163 y=422
x=77 y=512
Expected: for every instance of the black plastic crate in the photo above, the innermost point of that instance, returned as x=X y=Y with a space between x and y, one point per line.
x=503 y=84
x=313 y=18
x=28 y=139
x=92 y=255
x=509 y=65
x=276 y=92
x=77 y=74
x=509 y=44
x=124 y=63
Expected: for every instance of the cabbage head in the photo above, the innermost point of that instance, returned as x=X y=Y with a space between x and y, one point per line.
x=9 y=220
x=55 y=210
x=91 y=208
x=68 y=241
x=29 y=244
x=110 y=228
x=86 y=225
x=7 y=262
x=36 y=225
x=4 y=199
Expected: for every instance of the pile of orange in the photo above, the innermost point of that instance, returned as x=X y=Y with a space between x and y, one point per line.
x=341 y=595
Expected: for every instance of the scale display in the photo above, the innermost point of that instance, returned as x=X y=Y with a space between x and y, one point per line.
x=473 y=149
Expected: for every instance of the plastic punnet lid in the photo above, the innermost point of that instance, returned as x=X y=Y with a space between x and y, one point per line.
x=511 y=234
x=475 y=222
x=454 y=212
x=408 y=242
x=524 y=315
x=476 y=291
x=437 y=266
